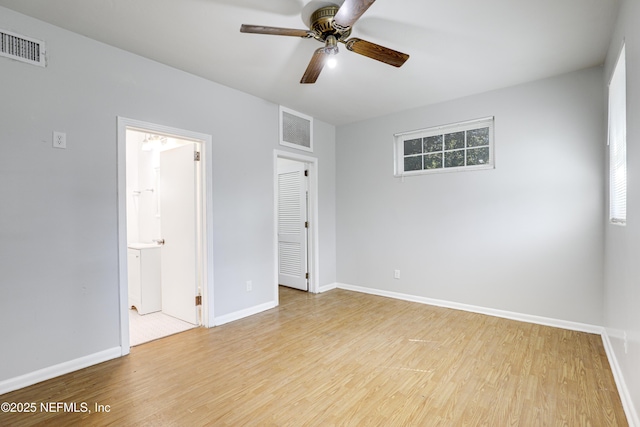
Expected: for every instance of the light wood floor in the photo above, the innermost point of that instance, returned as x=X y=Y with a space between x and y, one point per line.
x=348 y=359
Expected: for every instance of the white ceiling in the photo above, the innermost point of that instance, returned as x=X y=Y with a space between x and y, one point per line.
x=457 y=47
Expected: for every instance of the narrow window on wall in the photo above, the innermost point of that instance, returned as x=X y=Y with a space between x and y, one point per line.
x=448 y=148
x=618 y=143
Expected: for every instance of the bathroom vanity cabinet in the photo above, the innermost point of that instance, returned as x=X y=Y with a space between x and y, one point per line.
x=145 y=292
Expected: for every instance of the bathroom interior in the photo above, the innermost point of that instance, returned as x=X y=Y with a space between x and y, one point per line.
x=148 y=294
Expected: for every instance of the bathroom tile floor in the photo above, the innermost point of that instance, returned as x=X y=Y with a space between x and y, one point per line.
x=152 y=326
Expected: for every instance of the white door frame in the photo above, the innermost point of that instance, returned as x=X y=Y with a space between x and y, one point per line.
x=206 y=156
x=312 y=242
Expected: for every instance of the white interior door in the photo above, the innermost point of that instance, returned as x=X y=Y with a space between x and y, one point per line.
x=292 y=233
x=178 y=225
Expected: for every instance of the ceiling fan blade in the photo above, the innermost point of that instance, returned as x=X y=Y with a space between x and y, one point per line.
x=315 y=66
x=275 y=31
x=377 y=52
x=351 y=11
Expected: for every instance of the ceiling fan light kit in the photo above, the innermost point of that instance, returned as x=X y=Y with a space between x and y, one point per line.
x=331 y=24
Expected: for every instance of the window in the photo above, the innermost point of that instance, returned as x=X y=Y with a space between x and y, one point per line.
x=618 y=143
x=460 y=146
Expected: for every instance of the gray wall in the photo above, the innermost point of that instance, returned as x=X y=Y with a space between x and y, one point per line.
x=326 y=154
x=58 y=212
x=525 y=237
x=622 y=266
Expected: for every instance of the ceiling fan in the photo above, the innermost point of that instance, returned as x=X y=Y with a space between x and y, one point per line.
x=330 y=24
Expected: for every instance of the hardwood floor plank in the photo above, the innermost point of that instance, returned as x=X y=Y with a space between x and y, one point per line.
x=348 y=359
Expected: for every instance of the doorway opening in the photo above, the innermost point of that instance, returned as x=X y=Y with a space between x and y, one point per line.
x=164 y=242
x=296 y=213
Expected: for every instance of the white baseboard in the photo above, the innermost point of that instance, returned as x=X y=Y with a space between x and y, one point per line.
x=60 y=369
x=623 y=391
x=546 y=321
x=328 y=287
x=31 y=378
x=237 y=315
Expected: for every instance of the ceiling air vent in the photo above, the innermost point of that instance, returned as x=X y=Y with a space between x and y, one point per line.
x=296 y=130
x=22 y=48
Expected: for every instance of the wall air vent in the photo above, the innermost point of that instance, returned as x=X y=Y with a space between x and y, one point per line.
x=296 y=130
x=22 y=48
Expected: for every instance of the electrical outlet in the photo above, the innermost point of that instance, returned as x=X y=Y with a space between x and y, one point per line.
x=249 y=285
x=59 y=140
x=396 y=274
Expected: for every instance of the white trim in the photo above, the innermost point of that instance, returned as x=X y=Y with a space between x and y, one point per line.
x=314 y=253
x=454 y=125
x=241 y=314
x=326 y=288
x=44 y=374
x=529 y=318
x=617 y=141
x=206 y=142
x=623 y=390
x=400 y=138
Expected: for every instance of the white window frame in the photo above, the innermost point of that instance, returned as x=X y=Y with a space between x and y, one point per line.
x=400 y=138
x=617 y=140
